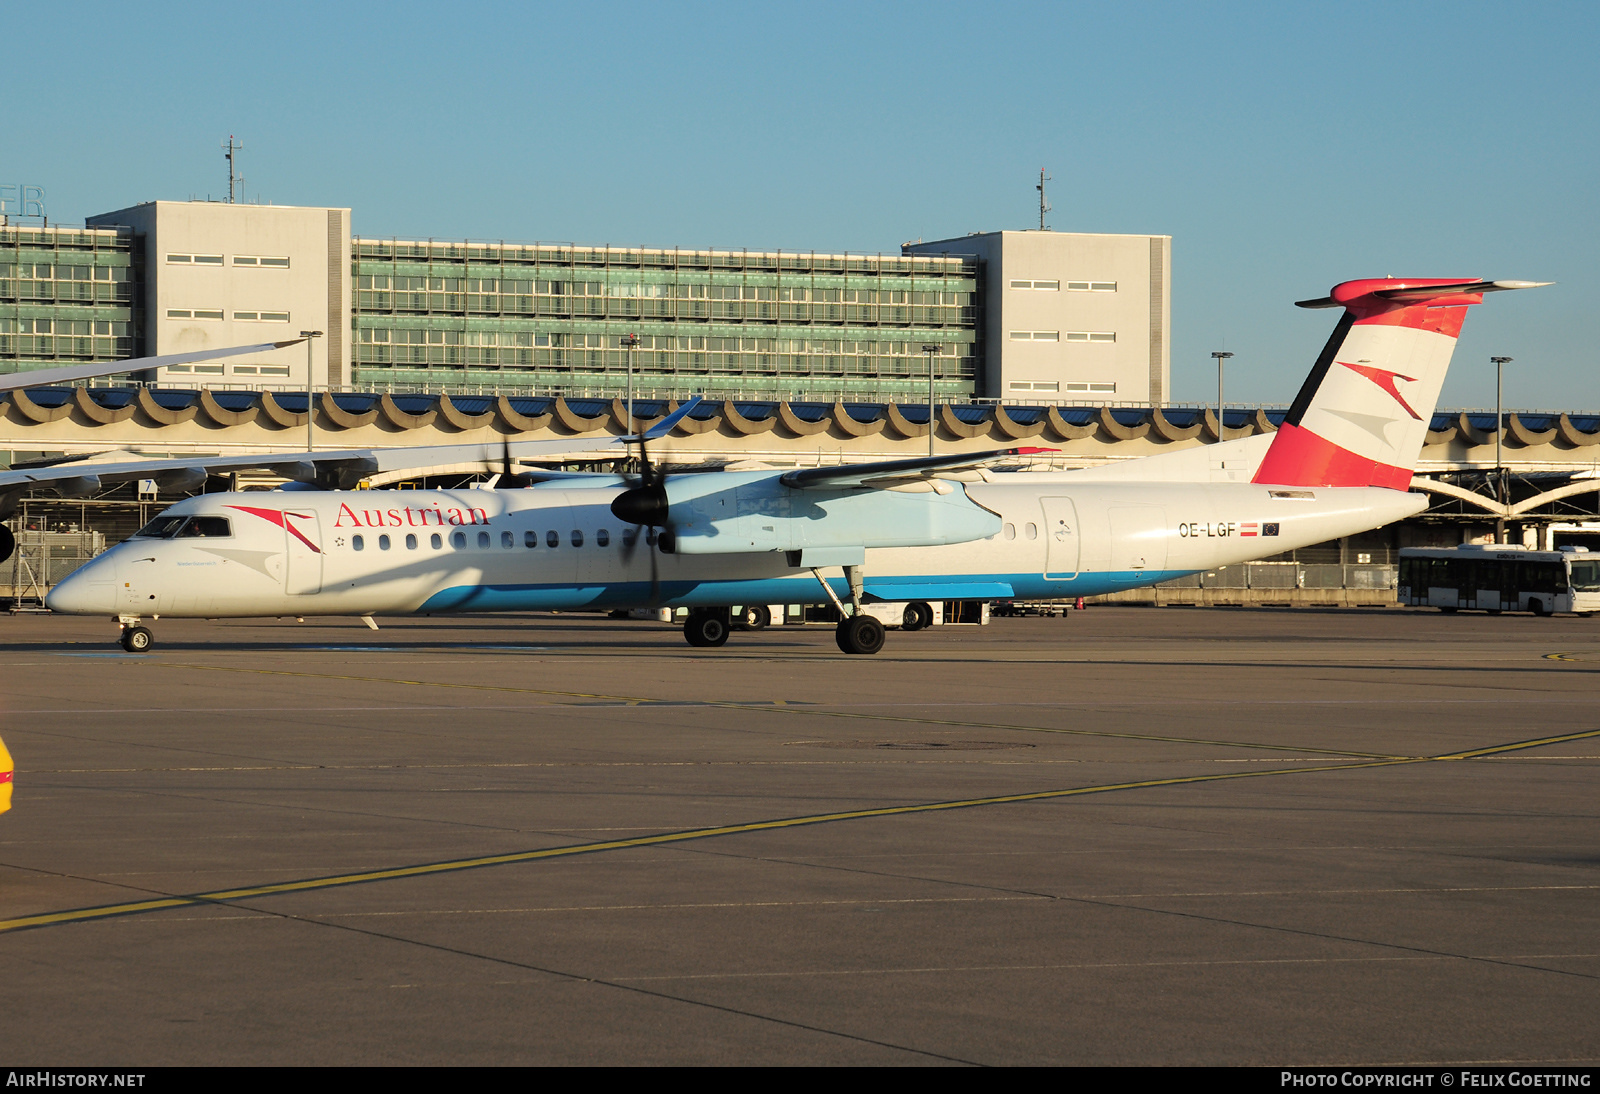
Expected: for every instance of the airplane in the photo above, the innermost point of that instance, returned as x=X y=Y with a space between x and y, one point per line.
x=914 y=531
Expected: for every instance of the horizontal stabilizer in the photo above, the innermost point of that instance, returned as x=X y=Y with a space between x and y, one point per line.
x=1415 y=290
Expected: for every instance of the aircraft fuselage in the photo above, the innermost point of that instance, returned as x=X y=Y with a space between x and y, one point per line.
x=394 y=552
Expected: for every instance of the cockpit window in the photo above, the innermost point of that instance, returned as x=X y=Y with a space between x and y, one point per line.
x=178 y=527
x=161 y=528
x=206 y=528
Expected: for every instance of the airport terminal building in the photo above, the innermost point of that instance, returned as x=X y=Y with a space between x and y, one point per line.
x=1030 y=317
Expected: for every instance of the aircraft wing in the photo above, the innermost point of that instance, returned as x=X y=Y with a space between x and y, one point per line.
x=50 y=377
x=896 y=472
x=79 y=476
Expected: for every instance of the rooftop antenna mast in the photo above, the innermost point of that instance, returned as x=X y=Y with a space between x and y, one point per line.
x=1044 y=206
x=229 y=151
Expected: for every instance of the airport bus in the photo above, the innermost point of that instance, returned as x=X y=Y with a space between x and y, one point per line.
x=1495 y=578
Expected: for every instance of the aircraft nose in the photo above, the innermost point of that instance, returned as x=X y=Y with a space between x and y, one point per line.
x=91 y=589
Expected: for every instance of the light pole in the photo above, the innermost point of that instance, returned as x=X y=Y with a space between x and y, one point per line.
x=1221 y=356
x=931 y=350
x=630 y=343
x=311 y=406
x=1500 y=364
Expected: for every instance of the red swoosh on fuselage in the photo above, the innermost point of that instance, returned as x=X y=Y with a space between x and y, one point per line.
x=280 y=518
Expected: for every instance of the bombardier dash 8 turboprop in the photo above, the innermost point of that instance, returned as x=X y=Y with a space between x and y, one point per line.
x=908 y=530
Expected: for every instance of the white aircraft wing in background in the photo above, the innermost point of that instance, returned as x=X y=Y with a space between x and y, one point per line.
x=52 y=377
x=80 y=476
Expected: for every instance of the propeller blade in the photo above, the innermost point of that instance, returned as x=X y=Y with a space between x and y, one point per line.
x=655 y=577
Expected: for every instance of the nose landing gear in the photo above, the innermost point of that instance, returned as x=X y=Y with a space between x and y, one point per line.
x=134 y=638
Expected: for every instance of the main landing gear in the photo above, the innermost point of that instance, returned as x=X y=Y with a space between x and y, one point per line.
x=134 y=638
x=707 y=627
x=857 y=632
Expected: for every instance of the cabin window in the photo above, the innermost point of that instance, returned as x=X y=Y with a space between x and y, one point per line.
x=507 y=539
x=358 y=543
x=602 y=538
x=437 y=542
x=458 y=540
x=530 y=539
x=1031 y=531
x=483 y=540
x=1009 y=531
x=552 y=539
x=411 y=543
x=577 y=538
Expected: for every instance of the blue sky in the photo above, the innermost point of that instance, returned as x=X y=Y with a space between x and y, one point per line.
x=1285 y=147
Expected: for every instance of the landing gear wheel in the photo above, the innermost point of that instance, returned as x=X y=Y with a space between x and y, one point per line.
x=706 y=629
x=916 y=616
x=755 y=617
x=859 y=634
x=136 y=639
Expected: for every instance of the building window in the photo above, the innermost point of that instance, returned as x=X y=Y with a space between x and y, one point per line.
x=1097 y=389
x=261 y=316
x=258 y=261
x=1034 y=385
x=1091 y=286
x=1091 y=336
x=1038 y=286
x=1037 y=336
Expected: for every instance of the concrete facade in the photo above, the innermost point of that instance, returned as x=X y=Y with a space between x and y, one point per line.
x=220 y=275
x=1072 y=316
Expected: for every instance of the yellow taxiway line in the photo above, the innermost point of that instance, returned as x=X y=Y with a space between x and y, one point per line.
x=222 y=896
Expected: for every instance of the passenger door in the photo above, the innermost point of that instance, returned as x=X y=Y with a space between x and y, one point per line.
x=1061 y=539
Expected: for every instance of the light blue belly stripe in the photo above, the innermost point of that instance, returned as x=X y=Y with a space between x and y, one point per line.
x=784 y=590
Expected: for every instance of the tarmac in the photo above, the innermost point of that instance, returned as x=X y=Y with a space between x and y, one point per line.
x=1127 y=836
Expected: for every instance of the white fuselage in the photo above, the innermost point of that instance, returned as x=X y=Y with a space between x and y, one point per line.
x=399 y=552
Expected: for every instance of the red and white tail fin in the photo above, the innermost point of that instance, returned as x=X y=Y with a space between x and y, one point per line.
x=1363 y=413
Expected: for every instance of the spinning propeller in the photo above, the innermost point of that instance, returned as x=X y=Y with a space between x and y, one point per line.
x=644 y=504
